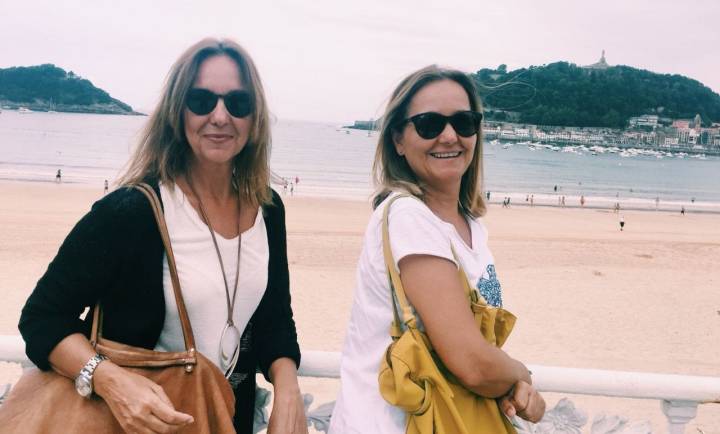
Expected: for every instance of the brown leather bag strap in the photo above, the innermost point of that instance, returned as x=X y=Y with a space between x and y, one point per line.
x=96 y=331
x=165 y=235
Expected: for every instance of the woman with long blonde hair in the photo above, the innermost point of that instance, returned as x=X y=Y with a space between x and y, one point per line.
x=205 y=154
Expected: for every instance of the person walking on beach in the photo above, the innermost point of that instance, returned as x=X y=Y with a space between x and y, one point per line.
x=58 y=176
x=532 y=200
x=292 y=189
x=657 y=203
x=582 y=201
x=105 y=187
x=425 y=227
x=622 y=223
x=563 y=201
x=488 y=195
x=682 y=210
x=205 y=154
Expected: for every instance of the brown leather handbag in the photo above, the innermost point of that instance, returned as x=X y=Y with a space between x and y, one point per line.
x=47 y=403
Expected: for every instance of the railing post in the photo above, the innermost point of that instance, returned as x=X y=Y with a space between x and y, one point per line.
x=679 y=413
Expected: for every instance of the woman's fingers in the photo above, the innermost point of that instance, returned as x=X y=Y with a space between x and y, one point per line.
x=167 y=409
x=521 y=396
x=160 y=392
x=169 y=415
x=506 y=406
x=528 y=403
x=536 y=407
x=158 y=426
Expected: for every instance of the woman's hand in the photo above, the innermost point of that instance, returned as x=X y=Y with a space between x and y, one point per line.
x=288 y=413
x=138 y=404
x=523 y=401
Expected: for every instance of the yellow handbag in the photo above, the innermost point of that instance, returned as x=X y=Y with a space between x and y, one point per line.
x=414 y=378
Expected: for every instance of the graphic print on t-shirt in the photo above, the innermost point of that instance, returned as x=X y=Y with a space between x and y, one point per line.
x=489 y=287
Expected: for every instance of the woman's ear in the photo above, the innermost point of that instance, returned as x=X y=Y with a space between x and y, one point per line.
x=397 y=140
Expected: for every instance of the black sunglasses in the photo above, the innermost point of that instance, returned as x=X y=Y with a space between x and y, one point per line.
x=429 y=125
x=239 y=103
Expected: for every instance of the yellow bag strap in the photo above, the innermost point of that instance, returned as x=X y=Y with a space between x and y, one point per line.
x=396 y=285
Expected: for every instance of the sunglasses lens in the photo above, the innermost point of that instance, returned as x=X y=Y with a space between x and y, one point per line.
x=429 y=125
x=239 y=103
x=466 y=124
x=201 y=101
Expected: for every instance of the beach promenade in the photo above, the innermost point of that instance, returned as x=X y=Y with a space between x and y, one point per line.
x=586 y=294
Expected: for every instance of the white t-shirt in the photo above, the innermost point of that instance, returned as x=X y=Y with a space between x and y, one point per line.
x=414 y=229
x=201 y=279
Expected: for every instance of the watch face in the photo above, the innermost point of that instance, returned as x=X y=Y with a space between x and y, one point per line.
x=83 y=386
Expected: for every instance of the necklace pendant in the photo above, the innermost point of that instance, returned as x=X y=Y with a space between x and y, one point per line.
x=229 y=348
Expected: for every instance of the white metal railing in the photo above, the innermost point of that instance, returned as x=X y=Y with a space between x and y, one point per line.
x=680 y=395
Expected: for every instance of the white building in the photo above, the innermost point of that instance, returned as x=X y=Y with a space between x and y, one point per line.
x=644 y=121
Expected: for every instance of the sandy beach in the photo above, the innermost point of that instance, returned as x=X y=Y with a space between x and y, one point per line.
x=587 y=295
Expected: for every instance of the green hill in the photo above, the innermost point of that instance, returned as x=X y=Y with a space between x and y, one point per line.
x=47 y=87
x=565 y=94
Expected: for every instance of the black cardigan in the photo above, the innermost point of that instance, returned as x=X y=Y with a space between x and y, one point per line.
x=115 y=254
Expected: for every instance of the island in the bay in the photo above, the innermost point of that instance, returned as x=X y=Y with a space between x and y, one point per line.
x=49 y=88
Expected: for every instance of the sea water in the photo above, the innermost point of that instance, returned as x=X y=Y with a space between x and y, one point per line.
x=332 y=161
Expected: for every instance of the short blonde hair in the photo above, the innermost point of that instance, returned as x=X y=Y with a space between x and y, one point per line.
x=163 y=152
x=392 y=172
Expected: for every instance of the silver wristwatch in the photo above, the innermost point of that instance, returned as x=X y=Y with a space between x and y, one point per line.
x=83 y=382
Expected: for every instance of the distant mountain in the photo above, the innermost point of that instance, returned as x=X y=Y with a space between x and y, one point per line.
x=597 y=96
x=47 y=87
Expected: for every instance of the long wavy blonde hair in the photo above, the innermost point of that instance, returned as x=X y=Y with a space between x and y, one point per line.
x=164 y=152
x=392 y=171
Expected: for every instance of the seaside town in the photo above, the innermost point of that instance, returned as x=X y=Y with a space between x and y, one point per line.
x=646 y=134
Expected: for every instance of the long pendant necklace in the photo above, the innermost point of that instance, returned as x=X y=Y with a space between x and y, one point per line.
x=230 y=336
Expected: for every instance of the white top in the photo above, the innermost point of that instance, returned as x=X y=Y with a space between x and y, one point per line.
x=201 y=279
x=414 y=229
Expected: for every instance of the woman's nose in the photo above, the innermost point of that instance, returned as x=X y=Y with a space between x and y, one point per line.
x=448 y=134
x=219 y=115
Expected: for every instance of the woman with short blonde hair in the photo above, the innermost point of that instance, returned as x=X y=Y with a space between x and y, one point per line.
x=426 y=228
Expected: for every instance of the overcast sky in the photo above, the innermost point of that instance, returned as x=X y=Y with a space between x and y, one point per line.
x=336 y=60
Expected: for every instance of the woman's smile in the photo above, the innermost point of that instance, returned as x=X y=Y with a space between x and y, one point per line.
x=446 y=155
x=218 y=137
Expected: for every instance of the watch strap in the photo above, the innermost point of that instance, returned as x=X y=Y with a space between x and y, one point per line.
x=88 y=370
